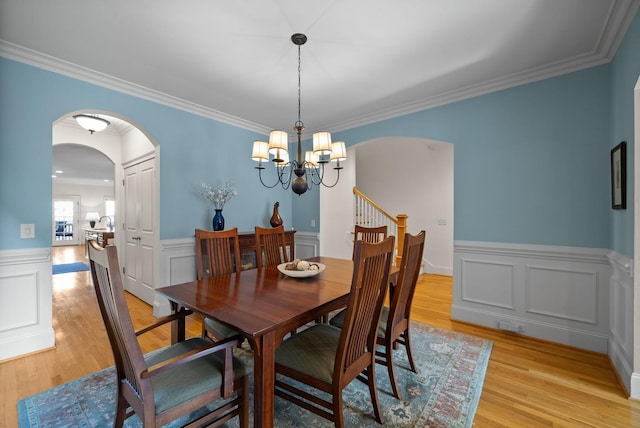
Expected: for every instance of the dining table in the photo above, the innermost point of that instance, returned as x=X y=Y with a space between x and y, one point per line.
x=264 y=305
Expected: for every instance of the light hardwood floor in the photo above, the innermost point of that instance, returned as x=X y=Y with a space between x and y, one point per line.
x=529 y=383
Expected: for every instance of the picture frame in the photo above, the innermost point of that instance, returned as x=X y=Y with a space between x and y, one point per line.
x=619 y=176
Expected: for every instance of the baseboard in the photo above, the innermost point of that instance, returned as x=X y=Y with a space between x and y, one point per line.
x=545 y=331
x=428 y=267
x=13 y=347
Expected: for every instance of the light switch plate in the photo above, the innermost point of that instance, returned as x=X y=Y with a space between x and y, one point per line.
x=27 y=231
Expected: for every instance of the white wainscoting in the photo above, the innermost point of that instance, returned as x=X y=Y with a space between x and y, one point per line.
x=621 y=317
x=307 y=244
x=26 y=306
x=178 y=263
x=560 y=294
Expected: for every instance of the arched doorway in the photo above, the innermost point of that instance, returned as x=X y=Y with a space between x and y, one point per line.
x=126 y=145
x=403 y=174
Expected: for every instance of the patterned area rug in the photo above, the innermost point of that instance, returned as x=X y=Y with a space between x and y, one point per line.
x=444 y=393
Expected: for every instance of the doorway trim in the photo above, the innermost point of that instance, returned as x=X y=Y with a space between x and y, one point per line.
x=116 y=156
x=635 y=376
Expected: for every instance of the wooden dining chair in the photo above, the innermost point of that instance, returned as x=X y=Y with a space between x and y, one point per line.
x=218 y=253
x=271 y=248
x=368 y=234
x=395 y=319
x=328 y=358
x=174 y=381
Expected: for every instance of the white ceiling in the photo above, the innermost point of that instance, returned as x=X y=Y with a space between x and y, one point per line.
x=365 y=60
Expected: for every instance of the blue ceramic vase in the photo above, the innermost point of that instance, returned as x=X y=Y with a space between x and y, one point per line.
x=218 y=221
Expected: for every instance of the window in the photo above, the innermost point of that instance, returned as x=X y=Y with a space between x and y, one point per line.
x=110 y=208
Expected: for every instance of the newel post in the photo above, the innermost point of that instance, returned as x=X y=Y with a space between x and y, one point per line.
x=402 y=229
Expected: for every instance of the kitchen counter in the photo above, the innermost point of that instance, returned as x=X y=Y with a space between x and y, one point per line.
x=100 y=234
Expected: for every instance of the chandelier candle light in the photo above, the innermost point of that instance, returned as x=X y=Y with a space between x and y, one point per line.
x=309 y=171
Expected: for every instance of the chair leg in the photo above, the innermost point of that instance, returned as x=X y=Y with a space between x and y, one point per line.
x=370 y=373
x=338 y=418
x=121 y=411
x=407 y=345
x=244 y=412
x=388 y=355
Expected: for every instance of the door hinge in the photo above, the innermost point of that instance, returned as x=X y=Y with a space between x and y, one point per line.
x=124 y=269
x=123 y=182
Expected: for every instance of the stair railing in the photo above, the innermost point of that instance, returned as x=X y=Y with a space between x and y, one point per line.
x=369 y=214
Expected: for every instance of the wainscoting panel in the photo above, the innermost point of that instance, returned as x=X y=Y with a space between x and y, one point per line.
x=14 y=289
x=177 y=265
x=621 y=317
x=306 y=245
x=567 y=294
x=560 y=294
x=26 y=311
x=488 y=283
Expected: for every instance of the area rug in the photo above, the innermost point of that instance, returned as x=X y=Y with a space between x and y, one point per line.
x=70 y=267
x=444 y=393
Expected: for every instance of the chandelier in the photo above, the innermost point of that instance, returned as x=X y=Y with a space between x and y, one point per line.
x=307 y=172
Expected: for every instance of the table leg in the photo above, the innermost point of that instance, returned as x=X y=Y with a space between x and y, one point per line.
x=178 y=326
x=263 y=379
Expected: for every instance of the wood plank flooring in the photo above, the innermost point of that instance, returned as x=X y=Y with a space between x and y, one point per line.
x=529 y=383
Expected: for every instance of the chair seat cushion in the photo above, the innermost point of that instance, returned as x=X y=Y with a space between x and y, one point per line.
x=338 y=320
x=312 y=351
x=220 y=329
x=186 y=381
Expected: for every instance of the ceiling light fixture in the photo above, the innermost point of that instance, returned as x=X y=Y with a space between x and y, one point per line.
x=308 y=171
x=91 y=122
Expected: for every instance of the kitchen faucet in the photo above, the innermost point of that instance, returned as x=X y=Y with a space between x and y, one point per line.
x=109 y=225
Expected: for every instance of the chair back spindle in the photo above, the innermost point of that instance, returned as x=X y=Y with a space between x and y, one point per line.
x=370 y=280
x=270 y=246
x=368 y=234
x=218 y=252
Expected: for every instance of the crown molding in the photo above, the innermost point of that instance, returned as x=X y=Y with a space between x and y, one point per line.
x=55 y=65
x=619 y=18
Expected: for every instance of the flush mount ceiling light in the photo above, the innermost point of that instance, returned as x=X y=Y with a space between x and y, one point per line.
x=308 y=171
x=91 y=122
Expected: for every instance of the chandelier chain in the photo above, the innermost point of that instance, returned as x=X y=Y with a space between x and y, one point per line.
x=299 y=92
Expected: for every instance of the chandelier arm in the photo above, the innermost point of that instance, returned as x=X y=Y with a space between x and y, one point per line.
x=313 y=173
x=260 y=168
x=281 y=174
x=337 y=168
x=317 y=172
x=288 y=171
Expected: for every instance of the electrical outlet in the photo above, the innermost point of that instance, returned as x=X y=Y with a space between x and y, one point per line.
x=27 y=231
x=511 y=326
x=313 y=223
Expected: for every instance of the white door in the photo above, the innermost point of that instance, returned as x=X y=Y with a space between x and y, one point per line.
x=139 y=229
x=66 y=220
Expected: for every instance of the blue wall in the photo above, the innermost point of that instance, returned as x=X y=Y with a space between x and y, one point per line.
x=192 y=148
x=531 y=163
x=625 y=70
